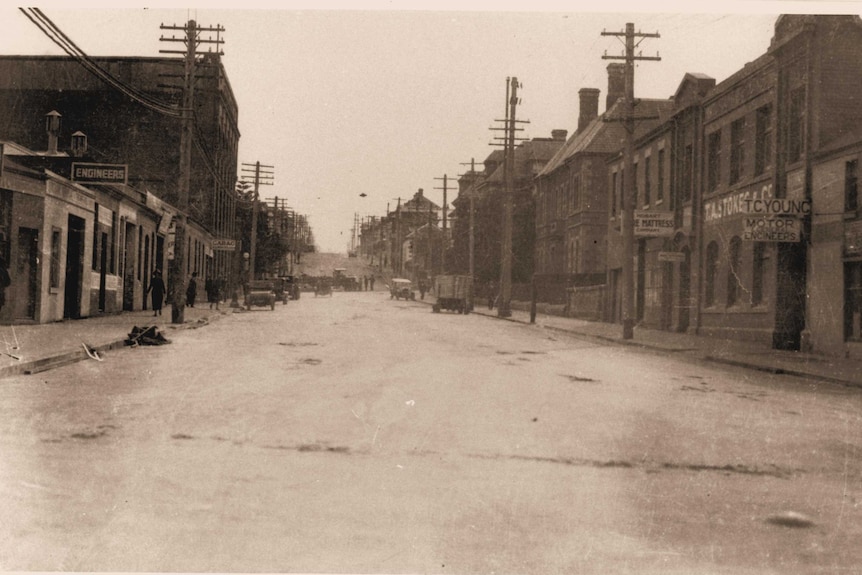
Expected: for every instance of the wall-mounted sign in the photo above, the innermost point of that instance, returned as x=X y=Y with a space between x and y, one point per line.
x=224 y=245
x=853 y=239
x=87 y=173
x=654 y=224
x=772 y=229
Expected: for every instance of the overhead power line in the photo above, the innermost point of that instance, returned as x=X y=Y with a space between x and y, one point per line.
x=53 y=32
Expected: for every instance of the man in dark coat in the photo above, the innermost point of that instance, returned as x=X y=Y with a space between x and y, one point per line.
x=192 y=290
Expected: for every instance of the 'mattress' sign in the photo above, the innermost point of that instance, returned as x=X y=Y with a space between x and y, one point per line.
x=654 y=224
x=87 y=173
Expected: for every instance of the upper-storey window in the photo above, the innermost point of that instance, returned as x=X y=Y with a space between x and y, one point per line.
x=713 y=160
x=763 y=140
x=851 y=186
x=796 y=124
x=659 y=190
x=737 y=150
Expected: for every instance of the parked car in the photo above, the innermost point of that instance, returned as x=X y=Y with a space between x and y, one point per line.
x=280 y=288
x=261 y=293
x=401 y=288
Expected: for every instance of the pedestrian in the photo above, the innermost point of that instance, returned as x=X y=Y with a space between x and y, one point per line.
x=5 y=280
x=492 y=295
x=372 y=283
x=157 y=288
x=422 y=289
x=192 y=290
x=211 y=286
x=366 y=282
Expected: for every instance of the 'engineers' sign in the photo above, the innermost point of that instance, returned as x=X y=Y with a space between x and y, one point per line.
x=86 y=173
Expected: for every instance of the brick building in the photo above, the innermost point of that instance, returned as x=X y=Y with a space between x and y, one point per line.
x=121 y=130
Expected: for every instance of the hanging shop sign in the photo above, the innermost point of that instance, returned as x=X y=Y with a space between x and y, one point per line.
x=654 y=224
x=677 y=257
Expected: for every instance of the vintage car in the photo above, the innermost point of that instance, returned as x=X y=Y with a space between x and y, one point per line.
x=323 y=287
x=280 y=287
x=261 y=293
x=401 y=288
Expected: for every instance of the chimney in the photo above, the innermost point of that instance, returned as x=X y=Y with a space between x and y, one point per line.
x=616 y=83
x=589 y=106
x=52 y=126
x=79 y=144
x=559 y=135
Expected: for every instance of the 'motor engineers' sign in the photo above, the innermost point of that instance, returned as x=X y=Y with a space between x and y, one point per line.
x=86 y=173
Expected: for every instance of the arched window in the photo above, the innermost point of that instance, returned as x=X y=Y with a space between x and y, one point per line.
x=709 y=280
x=734 y=254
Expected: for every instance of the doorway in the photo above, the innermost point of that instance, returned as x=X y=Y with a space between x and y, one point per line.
x=25 y=289
x=74 y=268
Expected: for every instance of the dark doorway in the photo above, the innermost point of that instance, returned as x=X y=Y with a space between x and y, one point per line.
x=685 y=291
x=129 y=268
x=790 y=296
x=74 y=268
x=103 y=270
x=24 y=280
x=640 y=297
x=147 y=271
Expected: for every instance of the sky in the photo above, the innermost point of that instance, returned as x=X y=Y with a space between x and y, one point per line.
x=384 y=98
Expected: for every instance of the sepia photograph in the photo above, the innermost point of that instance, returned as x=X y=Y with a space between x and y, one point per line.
x=469 y=288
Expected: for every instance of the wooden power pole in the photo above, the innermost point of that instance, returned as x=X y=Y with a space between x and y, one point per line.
x=629 y=191
x=177 y=271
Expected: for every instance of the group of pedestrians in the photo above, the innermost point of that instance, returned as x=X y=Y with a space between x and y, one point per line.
x=158 y=292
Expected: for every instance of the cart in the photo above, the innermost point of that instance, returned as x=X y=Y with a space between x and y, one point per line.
x=453 y=293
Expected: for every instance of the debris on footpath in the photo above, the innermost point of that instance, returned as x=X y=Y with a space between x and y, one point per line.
x=148 y=335
x=91 y=352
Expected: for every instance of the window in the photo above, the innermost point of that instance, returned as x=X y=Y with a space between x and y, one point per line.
x=714 y=166
x=659 y=191
x=758 y=268
x=737 y=150
x=56 y=239
x=733 y=279
x=614 y=185
x=687 y=173
x=853 y=301
x=636 y=183
x=711 y=266
x=112 y=255
x=576 y=193
x=851 y=186
x=763 y=140
x=796 y=125
x=647 y=180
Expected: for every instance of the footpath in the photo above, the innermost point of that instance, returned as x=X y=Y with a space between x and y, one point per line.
x=731 y=352
x=28 y=349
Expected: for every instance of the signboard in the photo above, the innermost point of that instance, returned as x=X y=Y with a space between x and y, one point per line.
x=853 y=239
x=224 y=245
x=171 y=240
x=654 y=224
x=87 y=173
x=772 y=229
x=671 y=257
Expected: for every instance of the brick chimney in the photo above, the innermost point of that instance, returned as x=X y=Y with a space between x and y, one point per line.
x=559 y=135
x=589 y=106
x=616 y=83
x=52 y=126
